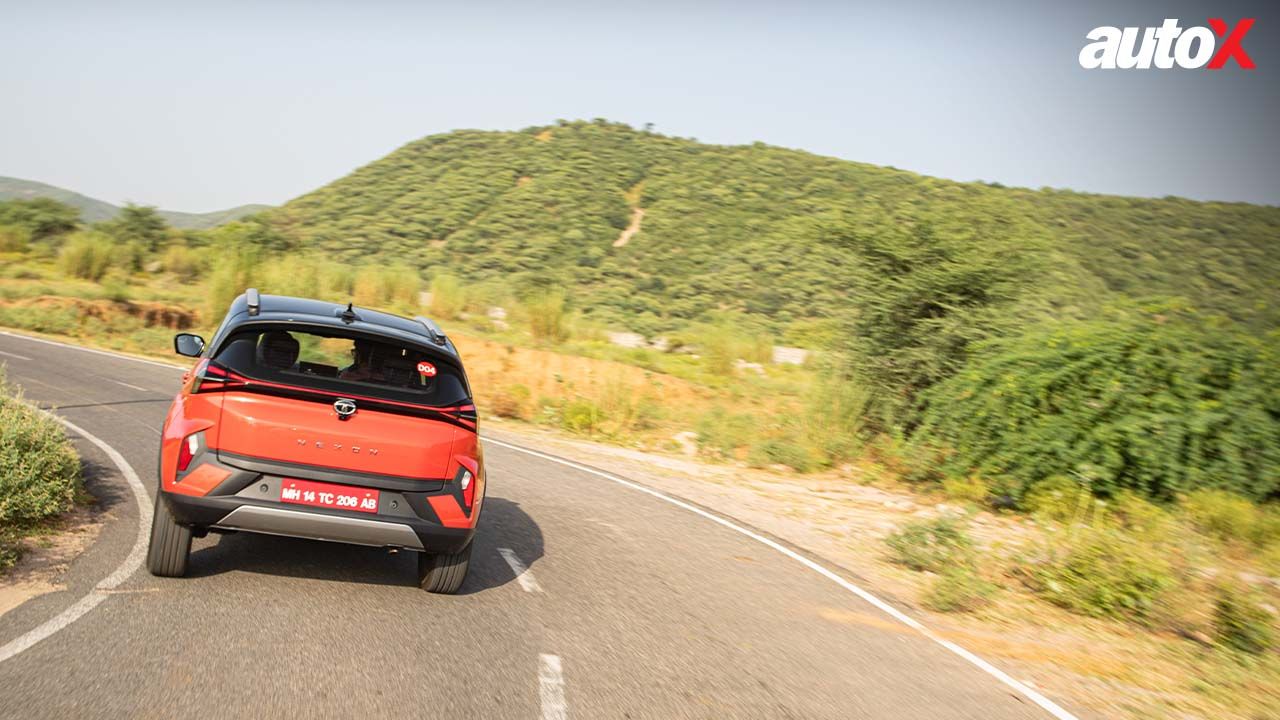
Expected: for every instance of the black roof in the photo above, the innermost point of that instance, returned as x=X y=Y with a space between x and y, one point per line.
x=282 y=308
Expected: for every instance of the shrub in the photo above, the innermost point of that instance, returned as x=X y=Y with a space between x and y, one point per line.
x=784 y=450
x=39 y=470
x=1239 y=623
x=55 y=320
x=928 y=289
x=183 y=262
x=834 y=417
x=128 y=256
x=448 y=299
x=14 y=238
x=959 y=589
x=1230 y=517
x=722 y=432
x=970 y=488
x=548 y=318
x=395 y=286
x=934 y=545
x=86 y=255
x=1160 y=403
x=1059 y=498
x=239 y=267
x=719 y=346
x=1101 y=571
x=10 y=549
x=581 y=415
x=115 y=287
x=511 y=401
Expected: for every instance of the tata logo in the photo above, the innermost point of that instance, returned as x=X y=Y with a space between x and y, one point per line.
x=344 y=407
x=1166 y=46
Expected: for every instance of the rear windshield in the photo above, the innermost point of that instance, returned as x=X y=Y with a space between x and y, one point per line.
x=342 y=363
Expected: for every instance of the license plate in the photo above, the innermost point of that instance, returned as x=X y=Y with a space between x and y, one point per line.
x=341 y=497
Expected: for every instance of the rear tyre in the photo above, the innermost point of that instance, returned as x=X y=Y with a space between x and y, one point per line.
x=170 y=543
x=445 y=572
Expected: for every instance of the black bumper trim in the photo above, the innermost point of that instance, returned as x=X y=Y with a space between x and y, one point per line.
x=210 y=510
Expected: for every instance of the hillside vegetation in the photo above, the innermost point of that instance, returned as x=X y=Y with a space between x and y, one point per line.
x=750 y=228
x=93 y=210
x=1019 y=335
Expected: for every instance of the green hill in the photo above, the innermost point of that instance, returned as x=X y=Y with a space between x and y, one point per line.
x=749 y=228
x=93 y=210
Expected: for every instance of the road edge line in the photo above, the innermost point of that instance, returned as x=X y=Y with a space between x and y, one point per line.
x=1029 y=693
x=95 y=351
x=127 y=567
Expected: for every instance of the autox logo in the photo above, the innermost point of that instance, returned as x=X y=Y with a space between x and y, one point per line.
x=1167 y=46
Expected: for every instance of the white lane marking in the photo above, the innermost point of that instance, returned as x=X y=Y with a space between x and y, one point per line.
x=1045 y=703
x=15 y=355
x=523 y=575
x=117 y=577
x=551 y=688
x=134 y=387
x=95 y=351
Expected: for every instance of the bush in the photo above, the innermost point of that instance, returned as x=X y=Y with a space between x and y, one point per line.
x=396 y=286
x=934 y=545
x=39 y=470
x=959 y=589
x=970 y=488
x=115 y=287
x=448 y=299
x=238 y=267
x=784 y=450
x=1160 y=403
x=1102 y=571
x=1239 y=623
x=86 y=255
x=1230 y=517
x=14 y=238
x=511 y=401
x=183 y=262
x=10 y=549
x=548 y=319
x=581 y=415
x=723 y=433
x=834 y=417
x=719 y=346
x=928 y=289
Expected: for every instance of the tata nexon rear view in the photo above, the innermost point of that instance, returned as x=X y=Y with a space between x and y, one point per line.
x=318 y=420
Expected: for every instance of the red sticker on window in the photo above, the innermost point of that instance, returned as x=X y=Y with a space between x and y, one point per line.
x=426 y=369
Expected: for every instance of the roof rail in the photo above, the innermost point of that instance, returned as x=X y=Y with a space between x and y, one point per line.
x=437 y=335
x=254 y=300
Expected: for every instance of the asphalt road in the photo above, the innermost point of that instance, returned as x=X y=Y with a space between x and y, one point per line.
x=631 y=607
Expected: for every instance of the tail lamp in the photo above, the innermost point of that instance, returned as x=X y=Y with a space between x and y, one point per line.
x=210 y=375
x=468 y=486
x=190 y=447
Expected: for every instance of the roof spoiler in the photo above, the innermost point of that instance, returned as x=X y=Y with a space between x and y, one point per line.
x=437 y=335
x=254 y=300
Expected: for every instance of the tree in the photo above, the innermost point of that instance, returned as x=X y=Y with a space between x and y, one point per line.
x=139 y=224
x=43 y=218
x=928 y=288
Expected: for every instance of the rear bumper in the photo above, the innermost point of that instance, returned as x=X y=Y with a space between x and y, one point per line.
x=295 y=523
x=238 y=513
x=248 y=499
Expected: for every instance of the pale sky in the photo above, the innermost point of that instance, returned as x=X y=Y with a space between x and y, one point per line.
x=201 y=106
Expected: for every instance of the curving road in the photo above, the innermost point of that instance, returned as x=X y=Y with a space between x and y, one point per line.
x=587 y=598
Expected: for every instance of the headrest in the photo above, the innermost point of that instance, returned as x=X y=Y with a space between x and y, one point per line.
x=278 y=350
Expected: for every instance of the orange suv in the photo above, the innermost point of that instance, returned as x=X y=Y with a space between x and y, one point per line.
x=314 y=420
